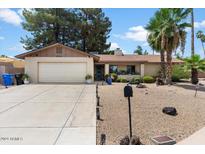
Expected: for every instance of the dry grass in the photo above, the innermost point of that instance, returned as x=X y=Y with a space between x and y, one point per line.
x=148 y=119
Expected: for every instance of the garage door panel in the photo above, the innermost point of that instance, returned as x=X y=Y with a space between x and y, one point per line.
x=62 y=72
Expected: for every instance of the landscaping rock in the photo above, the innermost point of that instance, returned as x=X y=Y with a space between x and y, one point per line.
x=170 y=111
x=125 y=141
x=135 y=140
x=140 y=86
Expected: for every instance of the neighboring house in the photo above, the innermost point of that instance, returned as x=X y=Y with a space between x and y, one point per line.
x=59 y=63
x=11 y=66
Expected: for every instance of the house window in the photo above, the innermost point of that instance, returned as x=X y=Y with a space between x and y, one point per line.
x=113 y=69
x=131 y=69
x=59 y=52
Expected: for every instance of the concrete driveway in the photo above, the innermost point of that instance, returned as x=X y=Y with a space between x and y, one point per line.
x=48 y=114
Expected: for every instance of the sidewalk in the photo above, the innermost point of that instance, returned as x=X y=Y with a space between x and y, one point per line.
x=198 y=138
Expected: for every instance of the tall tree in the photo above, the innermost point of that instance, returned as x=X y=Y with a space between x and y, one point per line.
x=192 y=32
x=194 y=71
x=154 y=40
x=85 y=29
x=200 y=35
x=170 y=33
x=94 y=28
x=139 y=50
x=48 y=26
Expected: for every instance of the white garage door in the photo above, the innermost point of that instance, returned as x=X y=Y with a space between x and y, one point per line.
x=62 y=72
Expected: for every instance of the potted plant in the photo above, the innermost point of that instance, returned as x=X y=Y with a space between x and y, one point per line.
x=88 y=78
x=26 y=79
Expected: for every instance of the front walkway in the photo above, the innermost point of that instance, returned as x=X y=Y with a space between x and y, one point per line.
x=197 y=138
x=48 y=114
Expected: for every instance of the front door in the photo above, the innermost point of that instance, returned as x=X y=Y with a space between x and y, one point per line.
x=99 y=72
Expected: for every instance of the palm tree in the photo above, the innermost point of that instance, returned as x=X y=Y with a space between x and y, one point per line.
x=200 y=35
x=167 y=29
x=154 y=40
x=192 y=32
x=194 y=72
x=195 y=63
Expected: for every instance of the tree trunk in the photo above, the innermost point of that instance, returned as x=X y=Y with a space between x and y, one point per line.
x=192 y=32
x=203 y=48
x=163 y=67
x=194 y=76
x=84 y=42
x=57 y=26
x=169 y=68
x=194 y=72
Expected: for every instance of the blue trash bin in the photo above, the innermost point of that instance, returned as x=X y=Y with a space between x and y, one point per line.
x=7 y=79
x=109 y=81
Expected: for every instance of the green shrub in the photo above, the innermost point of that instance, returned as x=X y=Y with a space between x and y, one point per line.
x=120 y=79
x=114 y=76
x=88 y=76
x=148 y=79
x=178 y=73
x=175 y=78
x=136 y=80
x=123 y=80
x=25 y=77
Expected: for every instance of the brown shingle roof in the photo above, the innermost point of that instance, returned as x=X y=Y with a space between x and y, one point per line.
x=133 y=59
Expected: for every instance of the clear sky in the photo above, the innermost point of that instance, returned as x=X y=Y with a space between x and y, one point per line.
x=127 y=30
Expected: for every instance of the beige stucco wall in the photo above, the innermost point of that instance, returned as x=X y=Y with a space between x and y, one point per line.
x=31 y=64
x=151 y=69
x=137 y=68
x=107 y=71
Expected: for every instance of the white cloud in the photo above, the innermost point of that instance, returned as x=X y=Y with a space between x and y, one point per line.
x=10 y=16
x=20 y=12
x=2 y=38
x=199 y=24
x=114 y=46
x=16 y=48
x=136 y=33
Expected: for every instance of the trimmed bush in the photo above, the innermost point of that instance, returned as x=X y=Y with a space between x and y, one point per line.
x=114 y=76
x=136 y=80
x=118 y=80
x=175 y=78
x=123 y=80
x=148 y=79
x=179 y=73
x=88 y=76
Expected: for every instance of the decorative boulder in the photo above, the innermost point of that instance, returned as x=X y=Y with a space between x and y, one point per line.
x=135 y=140
x=170 y=111
x=140 y=86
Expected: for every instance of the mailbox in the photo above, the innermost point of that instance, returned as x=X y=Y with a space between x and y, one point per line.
x=128 y=91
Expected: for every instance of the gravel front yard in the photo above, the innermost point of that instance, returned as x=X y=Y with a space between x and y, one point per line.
x=148 y=119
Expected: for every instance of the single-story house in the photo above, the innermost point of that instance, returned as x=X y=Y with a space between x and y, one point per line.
x=59 y=63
